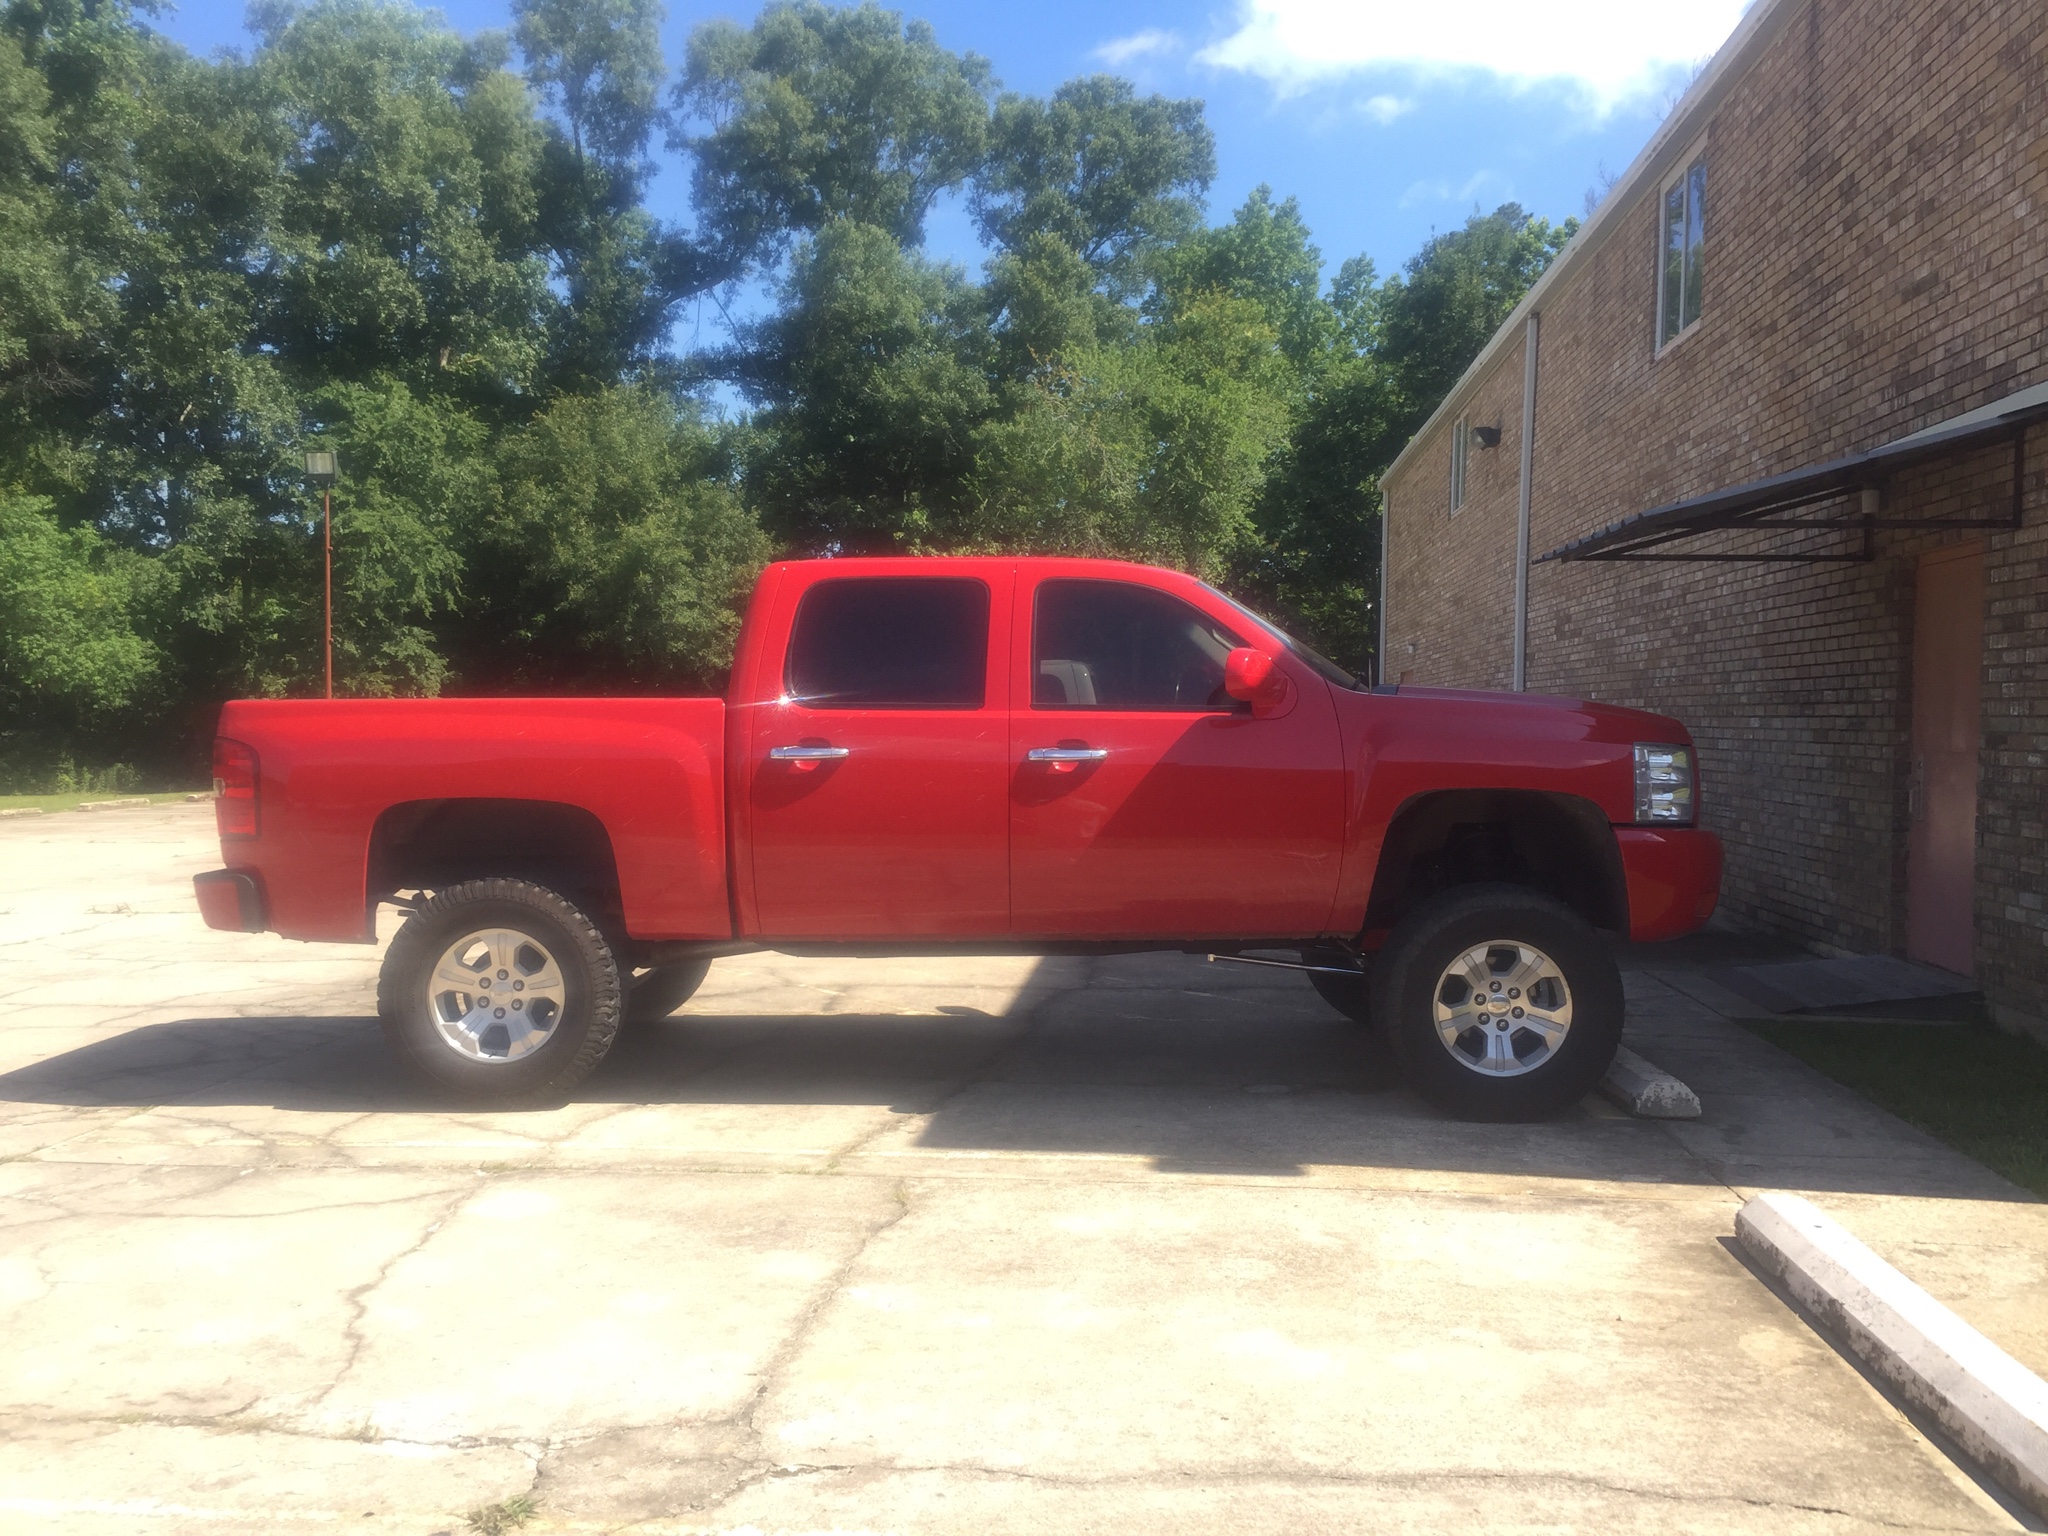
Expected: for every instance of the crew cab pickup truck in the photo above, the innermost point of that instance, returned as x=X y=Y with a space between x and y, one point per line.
x=946 y=756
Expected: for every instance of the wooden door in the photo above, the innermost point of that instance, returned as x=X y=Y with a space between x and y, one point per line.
x=1948 y=708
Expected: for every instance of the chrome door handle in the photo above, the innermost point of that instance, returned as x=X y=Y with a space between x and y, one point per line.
x=807 y=754
x=1066 y=754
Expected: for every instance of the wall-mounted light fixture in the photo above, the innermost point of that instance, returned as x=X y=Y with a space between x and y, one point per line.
x=1488 y=437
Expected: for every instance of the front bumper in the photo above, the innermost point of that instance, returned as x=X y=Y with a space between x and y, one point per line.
x=1674 y=879
x=230 y=899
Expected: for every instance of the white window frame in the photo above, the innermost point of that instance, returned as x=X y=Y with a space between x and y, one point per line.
x=1461 y=461
x=1694 y=159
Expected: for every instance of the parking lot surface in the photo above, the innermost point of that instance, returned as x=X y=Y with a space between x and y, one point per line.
x=984 y=1246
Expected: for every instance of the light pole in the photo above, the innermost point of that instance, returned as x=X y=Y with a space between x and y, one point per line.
x=323 y=472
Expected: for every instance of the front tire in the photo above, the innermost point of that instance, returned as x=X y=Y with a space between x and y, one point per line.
x=501 y=991
x=1502 y=1003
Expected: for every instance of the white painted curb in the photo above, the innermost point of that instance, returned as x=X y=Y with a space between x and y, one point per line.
x=1994 y=1407
x=1649 y=1091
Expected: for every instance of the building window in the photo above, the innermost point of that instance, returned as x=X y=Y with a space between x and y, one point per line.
x=1680 y=263
x=1461 y=444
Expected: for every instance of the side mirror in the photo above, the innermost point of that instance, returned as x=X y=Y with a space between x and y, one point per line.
x=1251 y=675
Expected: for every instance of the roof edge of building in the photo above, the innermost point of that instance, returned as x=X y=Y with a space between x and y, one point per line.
x=1752 y=35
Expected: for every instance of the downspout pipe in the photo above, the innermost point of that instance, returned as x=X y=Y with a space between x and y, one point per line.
x=1379 y=660
x=1530 y=337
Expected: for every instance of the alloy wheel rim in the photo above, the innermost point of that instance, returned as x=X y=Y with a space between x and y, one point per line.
x=496 y=995
x=1502 y=1008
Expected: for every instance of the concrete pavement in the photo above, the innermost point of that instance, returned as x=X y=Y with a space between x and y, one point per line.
x=922 y=1246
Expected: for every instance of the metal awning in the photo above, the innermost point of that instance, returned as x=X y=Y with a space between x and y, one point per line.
x=1762 y=503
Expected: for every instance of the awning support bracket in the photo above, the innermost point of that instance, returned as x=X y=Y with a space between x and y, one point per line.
x=1763 y=504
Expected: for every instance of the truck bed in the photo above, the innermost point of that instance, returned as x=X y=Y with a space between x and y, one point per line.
x=651 y=771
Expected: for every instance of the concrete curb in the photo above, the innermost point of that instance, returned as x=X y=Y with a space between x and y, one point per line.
x=1649 y=1091
x=111 y=805
x=1994 y=1407
x=22 y=810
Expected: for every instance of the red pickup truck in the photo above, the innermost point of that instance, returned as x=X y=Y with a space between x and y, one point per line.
x=967 y=756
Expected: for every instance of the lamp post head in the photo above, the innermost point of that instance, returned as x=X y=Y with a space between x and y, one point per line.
x=321 y=468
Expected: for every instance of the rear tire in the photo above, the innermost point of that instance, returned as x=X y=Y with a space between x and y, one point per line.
x=1501 y=1003
x=658 y=992
x=501 y=991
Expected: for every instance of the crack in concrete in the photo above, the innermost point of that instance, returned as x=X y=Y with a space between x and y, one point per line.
x=242 y=1421
x=1254 y=1476
x=805 y=1323
x=1029 y=1022
x=745 y=1416
x=357 y=1297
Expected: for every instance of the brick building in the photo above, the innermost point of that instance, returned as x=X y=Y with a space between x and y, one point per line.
x=1765 y=448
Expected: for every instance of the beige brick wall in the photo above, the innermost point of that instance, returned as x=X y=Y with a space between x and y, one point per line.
x=1876 y=261
x=1457 y=569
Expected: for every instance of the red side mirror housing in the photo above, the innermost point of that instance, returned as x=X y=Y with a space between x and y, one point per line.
x=1251 y=675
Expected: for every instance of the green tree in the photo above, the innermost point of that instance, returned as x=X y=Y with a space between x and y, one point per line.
x=618 y=551
x=1315 y=564
x=1455 y=293
x=1264 y=256
x=72 y=654
x=816 y=115
x=873 y=382
x=600 y=60
x=621 y=273
x=1105 y=173
x=390 y=253
x=416 y=467
x=1155 y=450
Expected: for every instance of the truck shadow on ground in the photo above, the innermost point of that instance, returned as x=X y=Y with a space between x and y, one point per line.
x=1257 y=1082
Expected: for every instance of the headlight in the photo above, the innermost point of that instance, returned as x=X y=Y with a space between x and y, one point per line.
x=1663 y=783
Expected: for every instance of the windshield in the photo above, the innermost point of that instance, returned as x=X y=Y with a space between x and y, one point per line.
x=1325 y=668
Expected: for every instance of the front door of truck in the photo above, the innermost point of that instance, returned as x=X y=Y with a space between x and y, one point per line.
x=875 y=782
x=1144 y=801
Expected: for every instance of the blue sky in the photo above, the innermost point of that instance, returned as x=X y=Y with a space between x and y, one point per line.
x=1388 y=119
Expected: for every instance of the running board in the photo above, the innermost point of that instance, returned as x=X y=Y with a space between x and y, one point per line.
x=1290 y=965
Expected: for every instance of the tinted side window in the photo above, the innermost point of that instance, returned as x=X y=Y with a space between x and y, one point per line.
x=887 y=642
x=1111 y=645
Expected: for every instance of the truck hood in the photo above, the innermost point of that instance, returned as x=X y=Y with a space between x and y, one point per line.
x=1597 y=721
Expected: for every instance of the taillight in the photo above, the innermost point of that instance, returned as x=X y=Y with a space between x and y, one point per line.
x=234 y=788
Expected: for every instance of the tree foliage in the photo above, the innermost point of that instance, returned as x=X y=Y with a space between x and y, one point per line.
x=433 y=255
x=815 y=115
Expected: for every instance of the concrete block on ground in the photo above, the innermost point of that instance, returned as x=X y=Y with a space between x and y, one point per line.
x=1995 y=1408
x=1647 y=1090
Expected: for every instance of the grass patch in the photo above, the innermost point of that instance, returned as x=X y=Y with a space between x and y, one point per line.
x=71 y=799
x=1982 y=1091
x=496 y=1519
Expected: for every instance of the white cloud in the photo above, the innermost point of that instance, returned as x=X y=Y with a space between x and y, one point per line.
x=1119 y=51
x=1609 y=50
x=1444 y=192
x=1384 y=109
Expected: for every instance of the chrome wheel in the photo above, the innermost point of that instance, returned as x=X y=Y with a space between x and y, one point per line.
x=1502 y=1008
x=495 y=995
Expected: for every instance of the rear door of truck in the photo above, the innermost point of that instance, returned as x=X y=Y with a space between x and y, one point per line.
x=877 y=802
